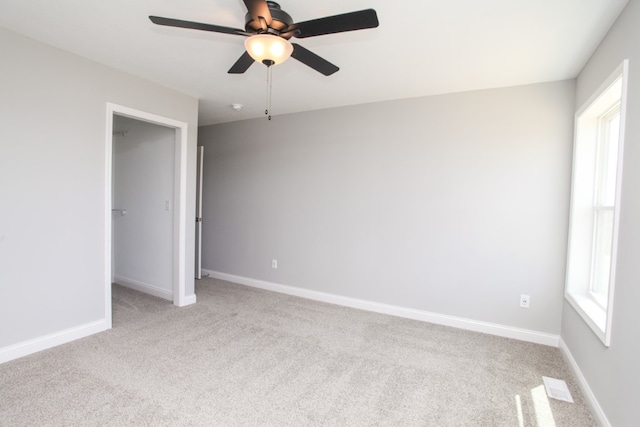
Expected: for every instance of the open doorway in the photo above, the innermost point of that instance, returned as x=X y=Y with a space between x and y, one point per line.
x=175 y=204
x=143 y=201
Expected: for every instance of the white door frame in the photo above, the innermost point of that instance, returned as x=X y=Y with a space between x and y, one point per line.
x=200 y=173
x=179 y=200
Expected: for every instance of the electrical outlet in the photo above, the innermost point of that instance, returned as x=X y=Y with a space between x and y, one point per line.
x=524 y=301
x=274 y=264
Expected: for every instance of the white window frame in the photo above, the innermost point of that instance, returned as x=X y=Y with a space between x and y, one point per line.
x=595 y=311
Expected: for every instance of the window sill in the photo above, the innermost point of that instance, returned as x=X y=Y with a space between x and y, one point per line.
x=593 y=314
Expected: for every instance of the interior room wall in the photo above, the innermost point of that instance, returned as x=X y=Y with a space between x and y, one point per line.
x=143 y=181
x=53 y=161
x=613 y=373
x=454 y=204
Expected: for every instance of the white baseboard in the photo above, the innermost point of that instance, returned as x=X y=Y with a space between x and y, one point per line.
x=144 y=288
x=409 y=313
x=596 y=409
x=52 y=340
x=188 y=300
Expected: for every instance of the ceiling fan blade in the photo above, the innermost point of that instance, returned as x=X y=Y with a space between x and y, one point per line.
x=170 y=22
x=352 y=21
x=309 y=58
x=242 y=64
x=258 y=9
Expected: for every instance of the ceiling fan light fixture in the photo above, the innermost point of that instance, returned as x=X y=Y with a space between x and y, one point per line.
x=268 y=49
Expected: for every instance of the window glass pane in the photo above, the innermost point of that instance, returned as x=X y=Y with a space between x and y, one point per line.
x=610 y=161
x=601 y=267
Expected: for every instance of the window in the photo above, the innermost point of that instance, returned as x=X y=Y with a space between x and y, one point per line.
x=595 y=200
x=603 y=210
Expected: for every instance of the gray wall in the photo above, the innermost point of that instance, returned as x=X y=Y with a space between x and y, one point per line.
x=143 y=181
x=52 y=191
x=451 y=204
x=613 y=373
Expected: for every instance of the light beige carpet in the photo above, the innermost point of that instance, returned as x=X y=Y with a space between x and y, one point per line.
x=246 y=357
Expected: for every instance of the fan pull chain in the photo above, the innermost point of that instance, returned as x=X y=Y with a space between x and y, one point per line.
x=267 y=111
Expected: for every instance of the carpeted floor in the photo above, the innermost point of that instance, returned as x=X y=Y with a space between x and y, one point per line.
x=247 y=357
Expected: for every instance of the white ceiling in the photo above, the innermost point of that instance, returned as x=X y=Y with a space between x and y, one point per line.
x=422 y=47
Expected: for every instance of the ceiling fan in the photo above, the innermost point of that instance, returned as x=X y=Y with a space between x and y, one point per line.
x=268 y=29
